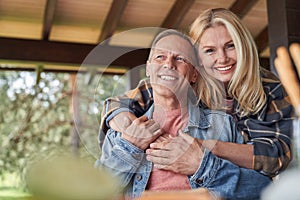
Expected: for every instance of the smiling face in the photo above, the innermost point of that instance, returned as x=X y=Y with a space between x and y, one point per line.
x=217 y=53
x=169 y=67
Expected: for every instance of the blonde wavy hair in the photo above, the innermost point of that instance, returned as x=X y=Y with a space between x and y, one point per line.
x=211 y=93
x=246 y=84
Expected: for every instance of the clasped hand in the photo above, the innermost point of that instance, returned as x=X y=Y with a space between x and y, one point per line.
x=181 y=154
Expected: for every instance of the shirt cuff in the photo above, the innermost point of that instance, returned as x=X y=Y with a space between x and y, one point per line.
x=207 y=169
x=129 y=153
x=128 y=147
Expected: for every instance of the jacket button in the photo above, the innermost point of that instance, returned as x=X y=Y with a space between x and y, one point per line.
x=139 y=177
x=199 y=180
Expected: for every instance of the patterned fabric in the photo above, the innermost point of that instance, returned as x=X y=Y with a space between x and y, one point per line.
x=270 y=131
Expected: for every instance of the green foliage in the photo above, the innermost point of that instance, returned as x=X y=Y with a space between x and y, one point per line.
x=29 y=116
x=65 y=177
x=91 y=99
x=37 y=118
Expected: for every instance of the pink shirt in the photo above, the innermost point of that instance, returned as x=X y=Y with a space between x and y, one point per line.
x=171 y=122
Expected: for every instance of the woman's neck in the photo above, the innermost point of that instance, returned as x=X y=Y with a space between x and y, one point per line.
x=226 y=86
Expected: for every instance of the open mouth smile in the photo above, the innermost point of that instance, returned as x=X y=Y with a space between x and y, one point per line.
x=224 y=68
x=167 y=78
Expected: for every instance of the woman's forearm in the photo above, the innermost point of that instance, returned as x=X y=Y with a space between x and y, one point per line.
x=121 y=121
x=239 y=154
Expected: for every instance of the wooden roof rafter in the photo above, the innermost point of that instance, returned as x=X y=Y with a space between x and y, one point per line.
x=48 y=18
x=111 y=22
x=177 y=13
x=262 y=40
x=241 y=7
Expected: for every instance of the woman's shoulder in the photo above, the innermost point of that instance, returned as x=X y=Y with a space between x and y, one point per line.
x=267 y=74
x=272 y=84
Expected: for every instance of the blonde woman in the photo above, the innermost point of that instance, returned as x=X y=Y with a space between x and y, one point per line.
x=254 y=96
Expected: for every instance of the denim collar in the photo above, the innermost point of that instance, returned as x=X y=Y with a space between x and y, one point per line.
x=197 y=116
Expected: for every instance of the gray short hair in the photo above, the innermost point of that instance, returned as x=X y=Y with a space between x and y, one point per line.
x=168 y=32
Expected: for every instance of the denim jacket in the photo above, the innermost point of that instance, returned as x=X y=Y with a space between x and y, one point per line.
x=219 y=176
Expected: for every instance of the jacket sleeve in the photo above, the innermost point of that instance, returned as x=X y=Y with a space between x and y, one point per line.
x=136 y=101
x=227 y=180
x=120 y=158
x=270 y=131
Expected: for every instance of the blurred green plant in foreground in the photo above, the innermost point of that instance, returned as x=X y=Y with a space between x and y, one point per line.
x=65 y=177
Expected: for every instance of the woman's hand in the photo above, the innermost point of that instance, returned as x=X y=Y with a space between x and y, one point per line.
x=181 y=154
x=142 y=131
x=121 y=121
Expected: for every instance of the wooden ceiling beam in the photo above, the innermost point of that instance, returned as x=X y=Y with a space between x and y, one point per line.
x=177 y=13
x=115 y=13
x=56 y=70
x=48 y=18
x=241 y=7
x=71 y=53
x=262 y=40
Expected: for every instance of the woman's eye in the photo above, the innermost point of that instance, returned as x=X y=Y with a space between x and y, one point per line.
x=208 y=51
x=230 y=46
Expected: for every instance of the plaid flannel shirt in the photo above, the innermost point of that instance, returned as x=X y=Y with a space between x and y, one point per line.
x=269 y=131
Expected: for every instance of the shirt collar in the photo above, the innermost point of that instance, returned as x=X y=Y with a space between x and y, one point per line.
x=197 y=117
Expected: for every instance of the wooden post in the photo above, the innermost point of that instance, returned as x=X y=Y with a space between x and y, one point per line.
x=284 y=29
x=75 y=116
